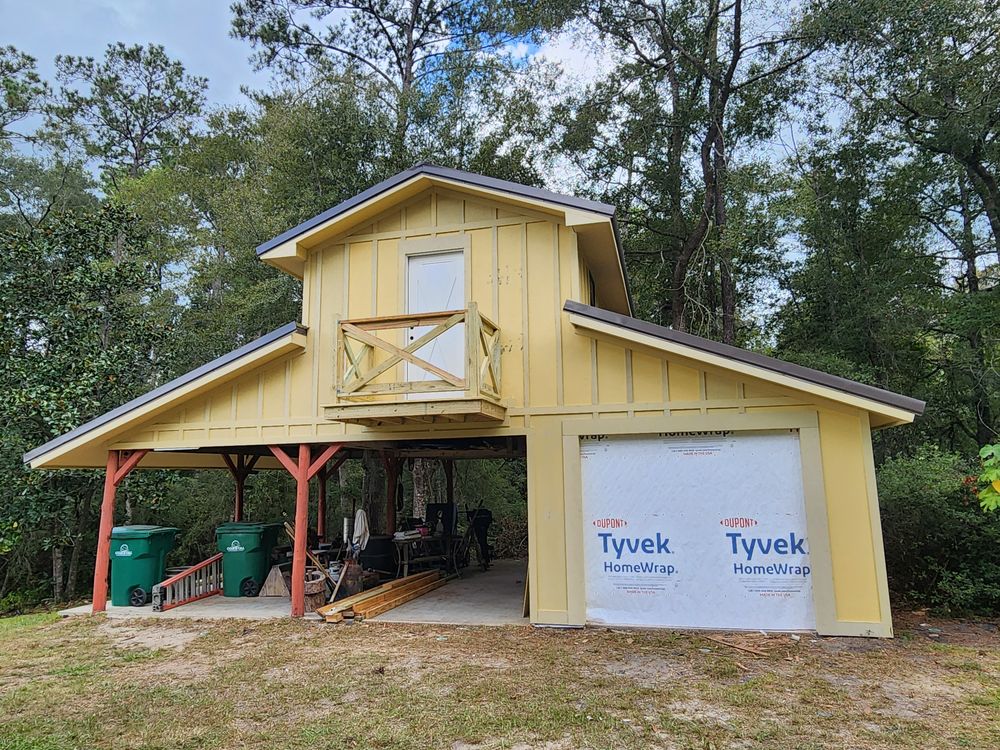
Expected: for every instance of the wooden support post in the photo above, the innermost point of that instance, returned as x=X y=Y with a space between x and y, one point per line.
x=241 y=468
x=238 y=507
x=301 y=526
x=303 y=470
x=120 y=465
x=321 y=505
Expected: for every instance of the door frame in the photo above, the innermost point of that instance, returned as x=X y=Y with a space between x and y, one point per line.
x=433 y=245
x=807 y=424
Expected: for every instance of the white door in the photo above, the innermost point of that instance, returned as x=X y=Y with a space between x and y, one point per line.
x=696 y=530
x=435 y=282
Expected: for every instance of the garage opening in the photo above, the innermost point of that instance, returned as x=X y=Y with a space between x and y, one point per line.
x=460 y=508
x=696 y=530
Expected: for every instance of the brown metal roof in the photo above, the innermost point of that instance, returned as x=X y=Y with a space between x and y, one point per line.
x=456 y=175
x=736 y=354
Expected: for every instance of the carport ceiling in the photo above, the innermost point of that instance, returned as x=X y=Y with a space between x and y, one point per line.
x=455 y=448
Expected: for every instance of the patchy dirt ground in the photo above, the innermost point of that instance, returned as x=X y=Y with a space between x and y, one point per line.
x=92 y=682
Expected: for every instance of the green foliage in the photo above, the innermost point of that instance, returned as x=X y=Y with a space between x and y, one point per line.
x=21 y=90
x=76 y=340
x=425 y=62
x=869 y=252
x=989 y=477
x=133 y=109
x=941 y=550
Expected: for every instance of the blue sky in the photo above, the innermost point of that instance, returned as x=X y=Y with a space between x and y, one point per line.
x=194 y=31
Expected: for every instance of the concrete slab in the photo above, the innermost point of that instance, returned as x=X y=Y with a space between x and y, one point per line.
x=492 y=597
x=212 y=608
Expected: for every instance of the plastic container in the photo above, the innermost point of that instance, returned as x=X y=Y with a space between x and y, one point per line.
x=138 y=561
x=246 y=555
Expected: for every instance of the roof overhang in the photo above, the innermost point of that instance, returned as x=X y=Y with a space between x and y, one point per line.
x=76 y=448
x=887 y=408
x=593 y=222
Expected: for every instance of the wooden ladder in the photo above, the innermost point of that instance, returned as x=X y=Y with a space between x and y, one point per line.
x=190 y=585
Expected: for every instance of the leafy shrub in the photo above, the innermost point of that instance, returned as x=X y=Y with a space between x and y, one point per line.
x=941 y=550
x=509 y=536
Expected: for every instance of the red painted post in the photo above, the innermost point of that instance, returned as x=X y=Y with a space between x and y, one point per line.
x=119 y=466
x=100 y=600
x=321 y=506
x=301 y=526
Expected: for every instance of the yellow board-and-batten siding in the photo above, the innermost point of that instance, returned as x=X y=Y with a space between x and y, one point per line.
x=521 y=266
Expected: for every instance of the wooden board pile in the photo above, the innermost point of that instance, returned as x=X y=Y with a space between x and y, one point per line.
x=382 y=598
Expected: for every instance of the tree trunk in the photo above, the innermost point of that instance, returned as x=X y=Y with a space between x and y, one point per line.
x=985 y=185
x=373 y=491
x=423 y=485
x=728 y=303
x=981 y=408
x=82 y=519
x=57 y=573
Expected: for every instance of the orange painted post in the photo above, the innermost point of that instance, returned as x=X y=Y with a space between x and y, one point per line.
x=301 y=525
x=303 y=470
x=100 y=600
x=321 y=505
x=118 y=468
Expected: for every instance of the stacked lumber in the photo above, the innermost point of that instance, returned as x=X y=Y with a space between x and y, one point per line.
x=382 y=598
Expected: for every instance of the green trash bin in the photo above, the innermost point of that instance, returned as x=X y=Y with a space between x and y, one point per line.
x=138 y=561
x=246 y=555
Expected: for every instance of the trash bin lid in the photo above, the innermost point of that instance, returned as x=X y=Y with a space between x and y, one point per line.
x=141 y=531
x=239 y=527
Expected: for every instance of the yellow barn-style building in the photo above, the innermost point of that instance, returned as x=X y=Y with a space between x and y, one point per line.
x=671 y=480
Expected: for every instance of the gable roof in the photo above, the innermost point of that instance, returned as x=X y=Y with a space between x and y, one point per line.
x=455 y=175
x=768 y=368
x=594 y=222
x=246 y=354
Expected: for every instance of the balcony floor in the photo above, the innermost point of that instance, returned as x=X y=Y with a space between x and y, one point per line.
x=430 y=411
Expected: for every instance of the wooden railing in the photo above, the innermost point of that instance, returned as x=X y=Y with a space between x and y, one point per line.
x=365 y=354
x=190 y=585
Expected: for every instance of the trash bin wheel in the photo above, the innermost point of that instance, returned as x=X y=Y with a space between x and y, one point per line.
x=137 y=597
x=249 y=587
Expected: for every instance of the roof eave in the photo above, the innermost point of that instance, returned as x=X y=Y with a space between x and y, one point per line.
x=431 y=171
x=291 y=333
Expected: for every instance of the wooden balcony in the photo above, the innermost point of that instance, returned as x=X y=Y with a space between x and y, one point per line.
x=410 y=369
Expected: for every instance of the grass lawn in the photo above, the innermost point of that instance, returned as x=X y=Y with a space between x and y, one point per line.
x=93 y=682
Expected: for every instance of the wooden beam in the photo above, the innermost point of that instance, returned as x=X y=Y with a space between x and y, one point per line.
x=418 y=320
x=320 y=462
x=100 y=598
x=285 y=459
x=125 y=467
x=300 y=546
x=400 y=354
x=321 y=504
x=404 y=597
